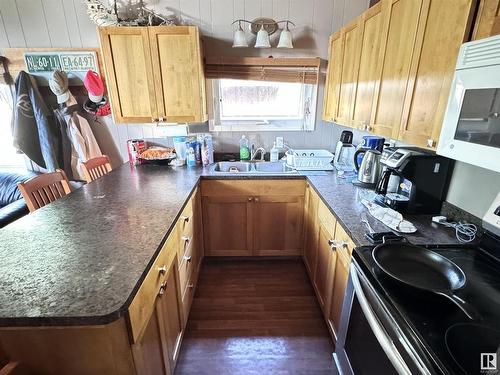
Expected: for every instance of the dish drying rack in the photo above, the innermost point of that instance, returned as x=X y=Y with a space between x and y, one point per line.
x=309 y=160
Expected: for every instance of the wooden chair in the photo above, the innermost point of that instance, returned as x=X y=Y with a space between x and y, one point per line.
x=41 y=190
x=96 y=167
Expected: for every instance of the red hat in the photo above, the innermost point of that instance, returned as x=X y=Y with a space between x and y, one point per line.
x=94 y=86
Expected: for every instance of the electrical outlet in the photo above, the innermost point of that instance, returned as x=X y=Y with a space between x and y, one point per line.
x=279 y=142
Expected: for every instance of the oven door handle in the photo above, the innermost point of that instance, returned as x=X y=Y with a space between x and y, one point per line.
x=382 y=337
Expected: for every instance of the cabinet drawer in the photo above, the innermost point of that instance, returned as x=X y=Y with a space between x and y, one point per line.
x=186 y=220
x=188 y=294
x=143 y=303
x=253 y=188
x=186 y=266
x=326 y=218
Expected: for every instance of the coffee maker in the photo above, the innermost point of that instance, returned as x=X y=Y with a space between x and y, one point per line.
x=413 y=181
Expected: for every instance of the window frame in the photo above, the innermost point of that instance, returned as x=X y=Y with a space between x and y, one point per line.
x=305 y=123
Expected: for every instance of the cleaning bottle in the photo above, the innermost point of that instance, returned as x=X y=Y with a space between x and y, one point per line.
x=274 y=153
x=244 y=148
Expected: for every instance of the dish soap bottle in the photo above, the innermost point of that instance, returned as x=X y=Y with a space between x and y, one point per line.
x=244 y=148
x=274 y=153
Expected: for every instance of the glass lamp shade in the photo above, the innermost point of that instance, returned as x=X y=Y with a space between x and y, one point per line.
x=240 y=39
x=285 y=39
x=262 y=39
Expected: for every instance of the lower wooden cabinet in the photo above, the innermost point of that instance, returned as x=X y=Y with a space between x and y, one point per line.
x=325 y=255
x=311 y=231
x=253 y=217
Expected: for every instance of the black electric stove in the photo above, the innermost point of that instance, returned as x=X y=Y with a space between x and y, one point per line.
x=428 y=318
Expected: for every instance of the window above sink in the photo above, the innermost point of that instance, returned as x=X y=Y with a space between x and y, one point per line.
x=245 y=105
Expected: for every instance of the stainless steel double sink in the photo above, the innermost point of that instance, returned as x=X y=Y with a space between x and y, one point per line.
x=257 y=167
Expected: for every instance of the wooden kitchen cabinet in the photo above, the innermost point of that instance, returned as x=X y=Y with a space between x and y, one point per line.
x=253 y=217
x=227 y=225
x=432 y=70
x=338 y=276
x=326 y=237
x=333 y=77
x=278 y=225
x=154 y=73
x=311 y=231
x=129 y=73
x=402 y=20
x=350 y=64
x=487 y=19
x=370 y=30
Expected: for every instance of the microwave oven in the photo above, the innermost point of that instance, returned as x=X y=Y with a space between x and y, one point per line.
x=471 y=125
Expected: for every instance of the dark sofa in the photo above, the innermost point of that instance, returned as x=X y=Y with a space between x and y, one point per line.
x=12 y=205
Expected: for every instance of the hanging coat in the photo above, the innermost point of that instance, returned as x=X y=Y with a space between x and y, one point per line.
x=80 y=144
x=34 y=129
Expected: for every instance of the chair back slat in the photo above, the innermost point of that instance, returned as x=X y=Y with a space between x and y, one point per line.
x=96 y=168
x=44 y=189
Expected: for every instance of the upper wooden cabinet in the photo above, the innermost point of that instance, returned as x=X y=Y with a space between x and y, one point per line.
x=432 y=70
x=371 y=54
x=154 y=73
x=333 y=77
x=488 y=19
x=403 y=71
x=350 y=62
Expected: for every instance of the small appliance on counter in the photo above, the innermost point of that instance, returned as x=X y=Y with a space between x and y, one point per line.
x=369 y=170
x=368 y=142
x=344 y=153
x=396 y=313
x=309 y=160
x=414 y=181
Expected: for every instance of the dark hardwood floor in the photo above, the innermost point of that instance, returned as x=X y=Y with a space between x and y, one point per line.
x=255 y=317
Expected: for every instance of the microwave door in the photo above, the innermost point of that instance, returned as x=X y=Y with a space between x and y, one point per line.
x=471 y=127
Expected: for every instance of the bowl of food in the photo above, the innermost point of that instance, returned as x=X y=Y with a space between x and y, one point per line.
x=157 y=155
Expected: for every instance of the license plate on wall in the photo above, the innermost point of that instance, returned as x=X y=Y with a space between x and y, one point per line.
x=45 y=62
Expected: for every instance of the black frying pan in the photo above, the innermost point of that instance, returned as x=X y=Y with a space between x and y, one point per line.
x=423 y=269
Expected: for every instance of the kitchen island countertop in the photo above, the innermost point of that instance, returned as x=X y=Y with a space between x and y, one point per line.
x=81 y=259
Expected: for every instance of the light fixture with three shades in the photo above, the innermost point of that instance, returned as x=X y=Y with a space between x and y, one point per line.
x=263 y=28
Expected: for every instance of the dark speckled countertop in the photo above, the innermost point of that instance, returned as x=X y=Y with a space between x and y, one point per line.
x=81 y=259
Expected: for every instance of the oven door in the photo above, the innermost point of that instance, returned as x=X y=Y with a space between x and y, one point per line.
x=369 y=340
x=471 y=126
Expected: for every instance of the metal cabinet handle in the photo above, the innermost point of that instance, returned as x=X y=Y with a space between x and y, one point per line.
x=185 y=219
x=162 y=270
x=430 y=143
x=187 y=258
x=250 y=199
x=186 y=239
x=154 y=120
x=163 y=286
x=333 y=244
x=190 y=286
x=256 y=200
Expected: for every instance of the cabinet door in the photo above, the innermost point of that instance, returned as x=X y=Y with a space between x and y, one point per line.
x=487 y=20
x=325 y=255
x=228 y=225
x=350 y=64
x=433 y=65
x=370 y=29
x=401 y=22
x=311 y=230
x=170 y=315
x=178 y=72
x=278 y=225
x=333 y=77
x=129 y=74
x=340 y=273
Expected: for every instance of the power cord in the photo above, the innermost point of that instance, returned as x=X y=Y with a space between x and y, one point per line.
x=465 y=232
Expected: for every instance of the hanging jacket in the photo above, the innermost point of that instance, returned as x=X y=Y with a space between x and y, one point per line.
x=34 y=130
x=79 y=142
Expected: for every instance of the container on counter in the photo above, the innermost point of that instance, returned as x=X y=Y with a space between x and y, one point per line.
x=207 y=149
x=180 y=150
x=135 y=147
x=191 y=146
